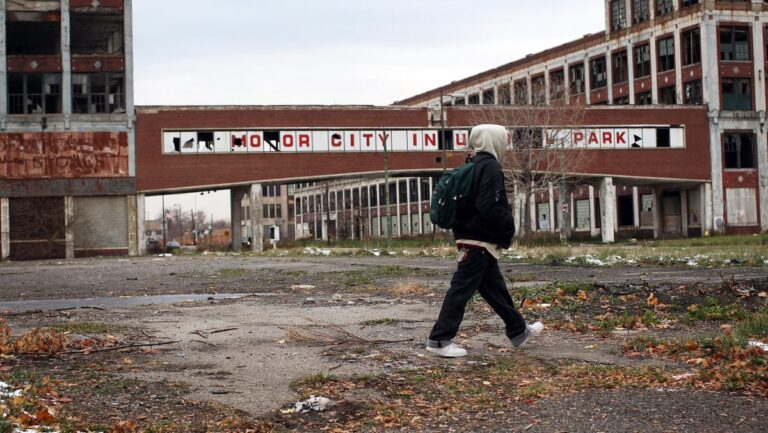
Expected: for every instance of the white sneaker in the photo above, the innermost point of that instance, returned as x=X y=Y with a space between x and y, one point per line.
x=530 y=331
x=449 y=351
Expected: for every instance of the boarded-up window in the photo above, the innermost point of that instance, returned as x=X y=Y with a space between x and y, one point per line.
x=742 y=206
x=582 y=215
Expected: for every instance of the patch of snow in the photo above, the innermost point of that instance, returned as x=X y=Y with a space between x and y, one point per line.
x=317 y=251
x=6 y=391
x=317 y=404
x=759 y=344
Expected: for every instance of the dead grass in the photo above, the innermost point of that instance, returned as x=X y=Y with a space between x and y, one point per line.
x=411 y=289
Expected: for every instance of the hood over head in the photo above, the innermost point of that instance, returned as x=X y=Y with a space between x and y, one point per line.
x=490 y=139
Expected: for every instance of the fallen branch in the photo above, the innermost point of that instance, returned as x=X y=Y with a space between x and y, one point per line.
x=333 y=335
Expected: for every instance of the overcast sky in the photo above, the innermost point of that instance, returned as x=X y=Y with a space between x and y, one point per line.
x=260 y=52
x=269 y=52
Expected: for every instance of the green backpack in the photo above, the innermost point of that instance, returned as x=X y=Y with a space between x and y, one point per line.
x=452 y=191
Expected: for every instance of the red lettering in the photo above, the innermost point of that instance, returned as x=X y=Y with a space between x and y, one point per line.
x=383 y=136
x=287 y=140
x=415 y=139
x=352 y=140
x=367 y=137
x=593 y=138
x=621 y=138
x=304 y=140
x=238 y=141
x=255 y=141
x=461 y=139
x=336 y=140
x=607 y=138
x=430 y=140
x=578 y=137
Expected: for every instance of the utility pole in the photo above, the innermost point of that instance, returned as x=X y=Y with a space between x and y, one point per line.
x=181 y=234
x=194 y=228
x=386 y=190
x=165 y=239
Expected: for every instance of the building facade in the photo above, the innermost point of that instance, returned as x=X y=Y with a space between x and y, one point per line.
x=67 y=165
x=657 y=52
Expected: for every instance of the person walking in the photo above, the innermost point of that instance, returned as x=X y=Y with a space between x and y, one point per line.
x=485 y=226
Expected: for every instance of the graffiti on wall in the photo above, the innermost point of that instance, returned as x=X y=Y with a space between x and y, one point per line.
x=69 y=155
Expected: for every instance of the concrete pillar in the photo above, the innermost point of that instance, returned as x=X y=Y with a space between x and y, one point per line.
x=130 y=111
x=141 y=232
x=66 y=64
x=256 y=217
x=716 y=167
x=654 y=70
x=236 y=212
x=608 y=209
x=631 y=73
x=758 y=51
x=762 y=174
x=636 y=207
x=679 y=93
x=552 y=209
x=587 y=82
x=69 y=219
x=5 y=226
x=133 y=224
x=707 y=222
x=3 y=72
x=658 y=228
x=710 y=58
x=593 y=231
x=684 y=212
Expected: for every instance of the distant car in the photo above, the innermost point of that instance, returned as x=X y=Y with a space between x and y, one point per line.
x=172 y=245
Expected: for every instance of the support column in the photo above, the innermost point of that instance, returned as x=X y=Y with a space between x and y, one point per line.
x=141 y=232
x=636 y=208
x=236 y=212
x=130 y=111
x=716 y=167
x=552 y=225
x=608 y=209
x=5 y=227
x=66 y=65
x=133 y=223
x=707 y=222
x=592 y=212
x=256 y=217
x=762 y=176
x=658 y=229
x=684 y=212
x=69 y=219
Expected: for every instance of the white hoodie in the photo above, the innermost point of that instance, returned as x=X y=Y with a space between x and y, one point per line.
x=491 y=139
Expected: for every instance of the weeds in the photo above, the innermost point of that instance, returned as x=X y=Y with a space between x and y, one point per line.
x=387 y=321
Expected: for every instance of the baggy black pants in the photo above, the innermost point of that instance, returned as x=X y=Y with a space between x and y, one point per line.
x=477 y=270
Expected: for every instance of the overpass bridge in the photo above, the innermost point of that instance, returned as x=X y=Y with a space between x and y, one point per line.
x=187 y=149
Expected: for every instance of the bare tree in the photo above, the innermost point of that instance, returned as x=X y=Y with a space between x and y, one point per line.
x=542 y=151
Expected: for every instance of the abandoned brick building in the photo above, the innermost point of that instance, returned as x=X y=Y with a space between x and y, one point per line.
x=67 y=184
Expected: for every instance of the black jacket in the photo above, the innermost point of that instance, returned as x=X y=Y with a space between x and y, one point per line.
x=487 y=217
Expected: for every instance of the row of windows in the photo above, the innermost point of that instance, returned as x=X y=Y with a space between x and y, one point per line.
x=641 y=10
x=42 y=93
x=402 y=191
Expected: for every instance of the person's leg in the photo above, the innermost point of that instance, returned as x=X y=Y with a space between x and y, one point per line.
x=493 y=289
x=472 y=265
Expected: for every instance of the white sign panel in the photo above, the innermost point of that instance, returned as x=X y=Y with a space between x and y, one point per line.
x=405 y=140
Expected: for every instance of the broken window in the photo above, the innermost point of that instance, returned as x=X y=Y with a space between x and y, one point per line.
x=618 y=14
x=620 y=72
x=692 y=93
x=640 y=11
x=26 y=38
x=272 y=139
x=576 y=76
x=96 y=34
x=664 y=7
x=642 y=61
x=739 y=151
x=521 y=92
x=505 y=94
x=539 y=90
x=734 y=43
x=663 y=137
x=667 y=95
x=666 y=54
x=489 y=97
x=98 y=93
x=473 y=99
x=205 y=141
x=34 y=93
x=737 y=94
x=621 y=100
x=643 y=98
x=599 y=76
x=557 y=85
x=692 y=46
